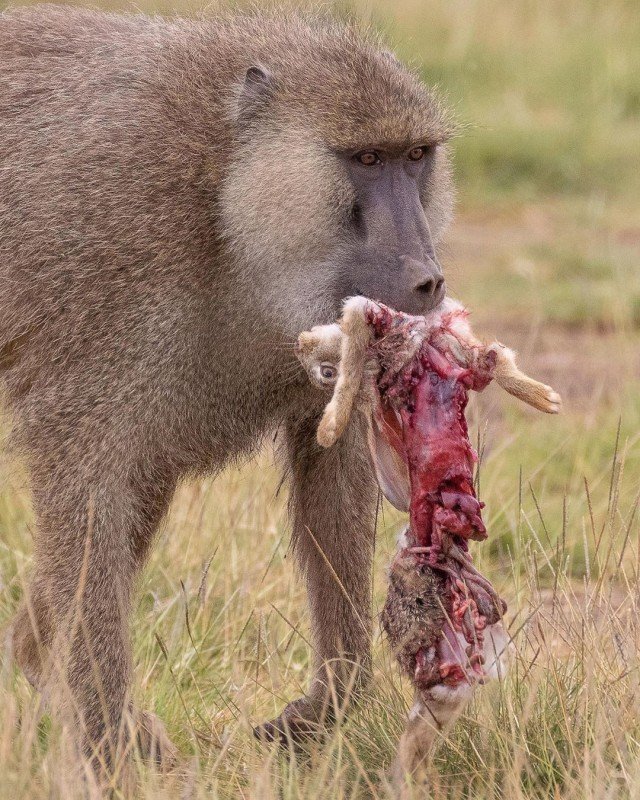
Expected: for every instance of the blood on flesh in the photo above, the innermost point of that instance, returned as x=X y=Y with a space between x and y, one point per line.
x=421 y=415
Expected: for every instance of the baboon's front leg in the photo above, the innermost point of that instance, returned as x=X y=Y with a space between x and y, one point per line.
x=333 y=497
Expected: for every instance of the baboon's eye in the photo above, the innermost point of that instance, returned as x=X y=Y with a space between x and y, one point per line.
x=327 y=371
x=368 y=158
x=416 y=153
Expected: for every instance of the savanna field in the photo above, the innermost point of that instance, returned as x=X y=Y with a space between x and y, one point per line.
x=545 y=250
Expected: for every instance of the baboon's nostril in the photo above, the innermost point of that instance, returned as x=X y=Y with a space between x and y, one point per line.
x=428 y=287
x=426 y=279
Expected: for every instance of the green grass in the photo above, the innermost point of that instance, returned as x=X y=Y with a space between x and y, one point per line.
x=548 y=90
x=545 y=252
x=574 y=274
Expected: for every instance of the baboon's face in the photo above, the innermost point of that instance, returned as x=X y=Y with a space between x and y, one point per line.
x=339 y=191
x=390 y=254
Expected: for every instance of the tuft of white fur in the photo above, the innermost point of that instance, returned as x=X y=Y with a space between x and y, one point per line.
x=357 y=305
x=498 y=651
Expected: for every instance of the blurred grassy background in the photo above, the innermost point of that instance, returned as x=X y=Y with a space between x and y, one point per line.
x=545 y=251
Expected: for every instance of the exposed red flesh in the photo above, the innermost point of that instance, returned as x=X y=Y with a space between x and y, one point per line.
x=422 y=417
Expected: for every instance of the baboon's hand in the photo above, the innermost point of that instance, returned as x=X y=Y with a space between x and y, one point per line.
x=302 y=721
x=153 y=741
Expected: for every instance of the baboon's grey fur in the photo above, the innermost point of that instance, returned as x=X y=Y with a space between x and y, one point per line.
x=168 y=226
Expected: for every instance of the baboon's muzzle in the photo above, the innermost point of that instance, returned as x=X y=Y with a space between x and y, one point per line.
x=395 y=257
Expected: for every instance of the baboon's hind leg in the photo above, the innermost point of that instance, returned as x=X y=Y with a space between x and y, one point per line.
x=71 y=635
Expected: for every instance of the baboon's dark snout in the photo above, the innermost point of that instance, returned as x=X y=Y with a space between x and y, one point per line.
x=431 y=287
x=427 y=281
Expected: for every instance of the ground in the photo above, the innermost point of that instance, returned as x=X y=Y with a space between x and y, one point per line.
x=545 y=251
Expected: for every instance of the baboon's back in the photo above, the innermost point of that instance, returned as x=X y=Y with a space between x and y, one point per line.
x=105 y=224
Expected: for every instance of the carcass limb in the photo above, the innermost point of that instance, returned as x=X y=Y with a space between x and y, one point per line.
x=352 y=359
x=356 y=356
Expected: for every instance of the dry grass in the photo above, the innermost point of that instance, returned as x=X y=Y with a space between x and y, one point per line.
x=220 y=634
x=546 y=252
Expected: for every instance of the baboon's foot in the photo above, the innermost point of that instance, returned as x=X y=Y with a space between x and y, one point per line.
x=301 y=723
x=110 y=767
x=30 y=646
x=153 y=742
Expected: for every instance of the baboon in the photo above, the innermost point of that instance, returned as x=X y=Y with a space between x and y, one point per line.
x=180 y=198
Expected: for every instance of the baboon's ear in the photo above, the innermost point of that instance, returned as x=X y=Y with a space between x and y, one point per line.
x=257 y=90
